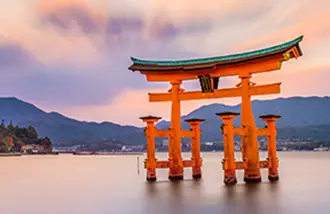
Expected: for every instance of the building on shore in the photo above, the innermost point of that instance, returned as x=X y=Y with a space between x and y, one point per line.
x=125 y=149
x=321 y=149
x=33 y=148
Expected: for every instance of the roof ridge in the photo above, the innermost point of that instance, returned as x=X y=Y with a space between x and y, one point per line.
x=218 y=58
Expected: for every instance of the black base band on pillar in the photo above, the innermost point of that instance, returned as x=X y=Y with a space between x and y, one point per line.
x=252 y=180
x=230 y=182
x=152 y=179
x=197 y=176
x=174 y=178
x=273 y=178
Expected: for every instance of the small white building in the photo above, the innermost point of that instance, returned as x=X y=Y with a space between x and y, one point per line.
x=209 y=143
x=125 y=149
x=33 y=148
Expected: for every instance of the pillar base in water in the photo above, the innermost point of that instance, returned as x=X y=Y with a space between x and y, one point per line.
x=252 y=176
x=197 y=176
x=273 y=178
x=230 y=180
x=254 y=179
x=151 y=179
x=175 y=173
x=196 y=172
x=175 y=177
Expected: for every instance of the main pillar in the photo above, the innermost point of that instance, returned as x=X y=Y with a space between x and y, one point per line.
x=229 y=164
x=195 y=147
x=150 y=162
x=271 y=139
x=175 y=159
x=250 y=148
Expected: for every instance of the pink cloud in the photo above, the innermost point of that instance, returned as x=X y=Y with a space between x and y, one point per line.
x=159 y=20
x=67 y=15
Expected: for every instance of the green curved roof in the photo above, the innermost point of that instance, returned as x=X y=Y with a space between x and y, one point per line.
x=256 y=53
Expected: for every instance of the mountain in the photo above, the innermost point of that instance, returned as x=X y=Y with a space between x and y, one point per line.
x=302 y=118
x=61 y=129
x=303 y=115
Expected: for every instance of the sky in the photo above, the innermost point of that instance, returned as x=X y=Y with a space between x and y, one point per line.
x=72 y=56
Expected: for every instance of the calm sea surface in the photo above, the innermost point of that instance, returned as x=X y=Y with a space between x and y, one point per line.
x=67 y=184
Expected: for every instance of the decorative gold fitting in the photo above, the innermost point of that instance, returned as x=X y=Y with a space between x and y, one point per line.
x=252 y=84
x=287 y=56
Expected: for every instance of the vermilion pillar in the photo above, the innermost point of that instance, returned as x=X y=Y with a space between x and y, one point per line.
x=195 y=147
x=150 y=162
x=228 y=140
x=175 y=159
x=250 y=147
x=271 y=139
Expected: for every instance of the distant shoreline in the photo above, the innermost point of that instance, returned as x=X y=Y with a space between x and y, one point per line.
x=107 y=153
x=14 y=154
x=121 y=153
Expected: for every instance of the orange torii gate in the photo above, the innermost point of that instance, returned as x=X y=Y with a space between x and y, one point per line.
x=208 y=71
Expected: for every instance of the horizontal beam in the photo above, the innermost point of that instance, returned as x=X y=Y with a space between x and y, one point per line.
x=167 y=133
x=240 y=131
x=162 y=164
x=187 y=163
x=274 y=88
x=240 y=165
x=166 y=164
x=250 y=67
x=187 y=134
x=220 y=93
x=262 y=131
x=262 y=164
x=162 y=133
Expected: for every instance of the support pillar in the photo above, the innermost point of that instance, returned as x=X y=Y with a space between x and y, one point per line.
x=229 y=164
x=175 y=159
x=271 y=140
x=250 y=148
x=195 y=147
x=150 y=161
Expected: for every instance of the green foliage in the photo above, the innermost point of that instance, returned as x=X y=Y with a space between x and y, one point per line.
x=12 y=138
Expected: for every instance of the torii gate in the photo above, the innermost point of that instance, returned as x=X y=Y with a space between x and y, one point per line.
x=208 y=71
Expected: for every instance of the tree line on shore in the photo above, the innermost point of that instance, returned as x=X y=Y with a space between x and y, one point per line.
x=13 y=138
